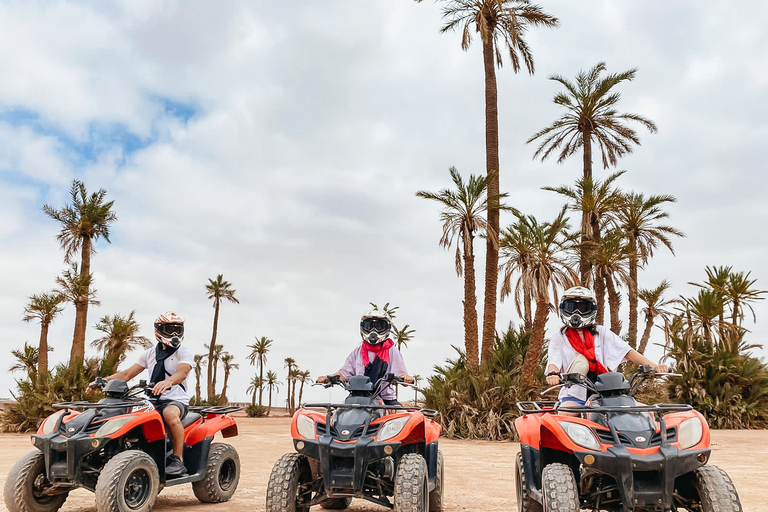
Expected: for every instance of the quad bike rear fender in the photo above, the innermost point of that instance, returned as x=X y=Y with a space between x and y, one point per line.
x=210 y=425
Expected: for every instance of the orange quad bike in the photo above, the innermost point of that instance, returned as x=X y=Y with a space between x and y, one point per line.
x=616 y=454
x=117 y=448
x=361 y=448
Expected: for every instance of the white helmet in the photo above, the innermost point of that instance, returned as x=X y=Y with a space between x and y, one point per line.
x=169 y=329
x=578 y=307
x=375 y=326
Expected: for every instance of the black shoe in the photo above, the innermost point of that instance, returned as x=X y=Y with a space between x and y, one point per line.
x=175 y=467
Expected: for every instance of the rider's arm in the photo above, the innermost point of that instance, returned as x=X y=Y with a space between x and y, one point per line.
x=397 y=365
x=177 y=378
x=639 y=359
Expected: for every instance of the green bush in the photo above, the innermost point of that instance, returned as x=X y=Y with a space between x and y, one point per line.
x=256 y=411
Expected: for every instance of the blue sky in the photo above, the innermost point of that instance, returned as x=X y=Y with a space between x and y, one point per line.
x=281 y=145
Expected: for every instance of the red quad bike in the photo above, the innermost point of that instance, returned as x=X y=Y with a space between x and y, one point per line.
x=117 y=448
x=617 y=454
x=361 y=448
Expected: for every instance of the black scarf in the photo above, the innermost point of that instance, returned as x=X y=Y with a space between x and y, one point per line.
x=376 y=369
x=162 y=352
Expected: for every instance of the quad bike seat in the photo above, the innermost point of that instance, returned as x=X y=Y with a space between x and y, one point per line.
x=612 y=383
x=190 y=418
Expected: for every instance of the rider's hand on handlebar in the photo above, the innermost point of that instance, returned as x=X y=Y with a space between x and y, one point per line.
x=98 y=383
x=553 y=380
x=661 y=368
x=407 y=378
x=161 y=387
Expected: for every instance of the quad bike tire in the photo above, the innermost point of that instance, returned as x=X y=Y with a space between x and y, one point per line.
x=436 y=494
x=129 y=482
x=525 y=502
x=716 y=491
x=222 y=474
x=336 y=503
x=288 y=474
x=558 y=487
x=411 y=484
x=22 y=488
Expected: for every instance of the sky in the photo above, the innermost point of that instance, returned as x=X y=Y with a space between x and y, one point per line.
x=281 y=145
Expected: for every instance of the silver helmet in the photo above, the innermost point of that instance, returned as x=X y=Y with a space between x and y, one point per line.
x=375 y=326
x=578 y=307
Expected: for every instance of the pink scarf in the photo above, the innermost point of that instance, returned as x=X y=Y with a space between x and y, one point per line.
x=381 y=351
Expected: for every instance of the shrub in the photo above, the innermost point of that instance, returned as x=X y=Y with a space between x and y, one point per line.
x=256 y=411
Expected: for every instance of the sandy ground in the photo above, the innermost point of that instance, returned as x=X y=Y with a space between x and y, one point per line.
x=479 y=475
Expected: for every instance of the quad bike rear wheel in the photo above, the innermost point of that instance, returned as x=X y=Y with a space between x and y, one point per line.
x=288 y=475
x=436 y=494
x=559 y=489
x=716 y=491
x=129 y=482
x=336 y=503
x=411 y=484
x=222 y=475
x=525 y=502
x=26 y=485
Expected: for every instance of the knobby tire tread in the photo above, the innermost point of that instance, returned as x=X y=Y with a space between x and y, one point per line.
x=558 y=487
x=15 y=490
x=411 y=487
x=208 y=489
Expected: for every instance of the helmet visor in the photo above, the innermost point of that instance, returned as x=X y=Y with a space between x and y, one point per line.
x=580 y=306
x=374 y=324
x=169 y=330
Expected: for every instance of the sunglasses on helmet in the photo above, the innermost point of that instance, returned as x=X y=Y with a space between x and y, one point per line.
x=581 y=306
x=374 y=324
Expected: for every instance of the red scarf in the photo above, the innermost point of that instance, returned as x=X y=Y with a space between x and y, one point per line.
x=586 y=347
x=381 y=351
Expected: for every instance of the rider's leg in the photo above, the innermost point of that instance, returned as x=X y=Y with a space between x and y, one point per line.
x=571 y=401
x=172 y=416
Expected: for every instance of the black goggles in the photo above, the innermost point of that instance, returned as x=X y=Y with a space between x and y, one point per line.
x=374 y=324
x=169 y=330
x=581 y=306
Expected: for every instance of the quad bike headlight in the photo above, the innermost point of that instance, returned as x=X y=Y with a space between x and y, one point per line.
x=392 y=428
x=689 y=433
x=50 y=422
x=580 y=435
x=111 y=426
x=306 y=427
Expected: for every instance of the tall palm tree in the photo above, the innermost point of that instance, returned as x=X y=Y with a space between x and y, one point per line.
x=591 y=115
x=259 y=355
x=702 y=313
x=290 y=363
x=83 y=222
x=740 y=292
x=638 y=219
x=120 y=336
x=609 y=260
x=655 y=306
x=213 y=361
x=44 y=308
x=717 y=282
x=254 y=385
x=548 y=269
x=497 y=22
x=75 y=287
x=26 y=361
x=226 y=361
x=462 y=218
x=199 y=360
x=272 y=384
x=218 y=290
x=302 y=377
x=515 y=253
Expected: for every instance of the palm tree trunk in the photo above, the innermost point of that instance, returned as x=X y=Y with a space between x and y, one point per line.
x=632 y=332
x=211 y=348
x=533 y=354
x=646 y=334
x=269 y=409
x=197 y=385
x=261 y=379
x=223 y=397
x=301 y=392
x=584 y=265
x=614 y=302
x=77 y=354
x=42 y=354
x=470 y=307
x=527 y=299
x=600 y=297
x=492 y=170
x=253 y=398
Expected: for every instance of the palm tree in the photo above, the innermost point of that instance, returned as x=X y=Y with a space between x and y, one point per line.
x=26 y=361
x=609 y=260
x=75 y=287
x=217 y=291
x=290 y=363
x=548 y=269
x=462 y=218
x=654 y=307
x=516 y=250
x=44 y=308
x=259 y=354
x=591 y=114
x=253 y=386
x=739 y=293
x=199 y=359
x=121 y=336
x=495 y=21
x=82 y=223
x=638 y=219
x=302 y=377
x=702 y=313
x=416 y=380
x=226 y=361
x=272 y=384
x=217 y=352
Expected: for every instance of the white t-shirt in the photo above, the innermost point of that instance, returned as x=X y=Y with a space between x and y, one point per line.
x=182 y=355
x=610 y=350
x=354 y=365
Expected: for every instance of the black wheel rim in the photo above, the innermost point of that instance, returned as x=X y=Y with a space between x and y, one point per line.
x=227 y=474
x=136 y=489
x=39 y=485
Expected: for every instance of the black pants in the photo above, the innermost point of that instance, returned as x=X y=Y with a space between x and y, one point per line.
x=390 y=402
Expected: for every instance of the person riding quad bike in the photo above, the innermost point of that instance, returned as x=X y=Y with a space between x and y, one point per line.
x=361 y=448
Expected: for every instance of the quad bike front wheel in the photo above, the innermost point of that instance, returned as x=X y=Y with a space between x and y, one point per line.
x=559 y=489
x=129 y=482
x=411 y=484
x=436 y=494
x=26 y=486
x=716 y=491
x=525 y=502
x=222 y=474
x=288 y=475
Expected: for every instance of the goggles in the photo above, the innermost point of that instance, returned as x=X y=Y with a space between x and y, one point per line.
x=169 y=330
x=375 y=324
x=581 y=306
